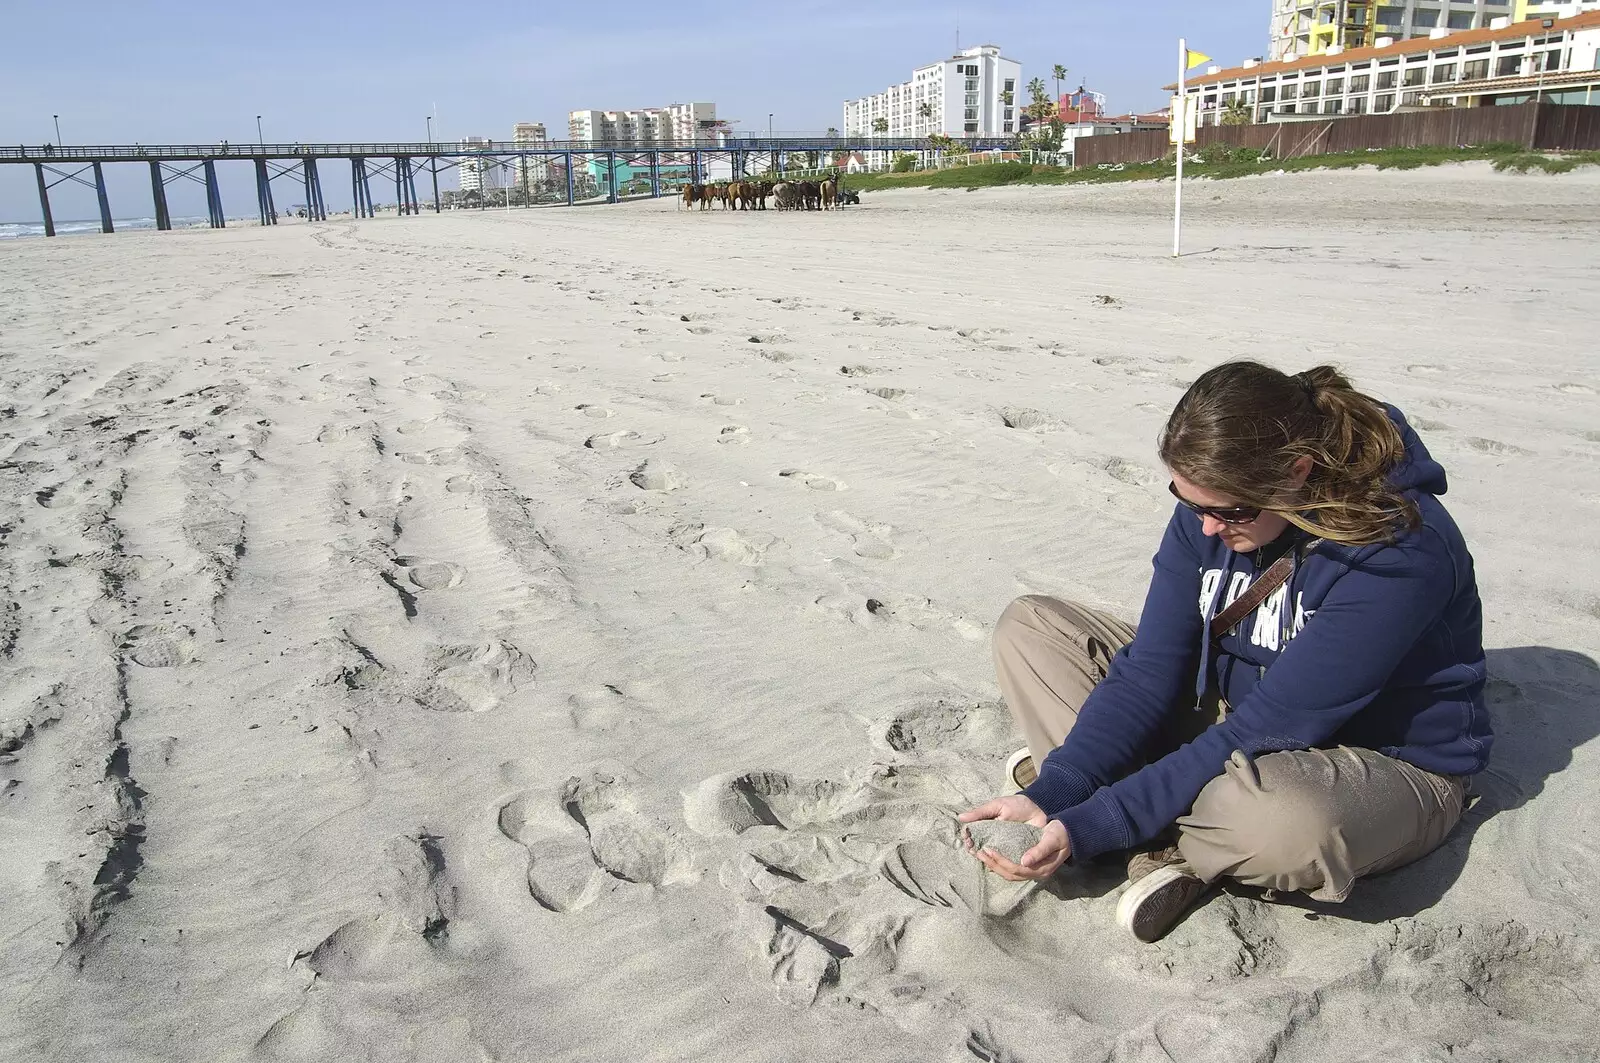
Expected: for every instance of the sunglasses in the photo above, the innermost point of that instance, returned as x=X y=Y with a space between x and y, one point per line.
x=1230 y=515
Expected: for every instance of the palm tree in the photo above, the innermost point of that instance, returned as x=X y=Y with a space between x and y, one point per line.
x=1237 y=112
x=832 y=132
x=880 y=126
x=1007 y=97
x=1060 y=75
x=925 y=111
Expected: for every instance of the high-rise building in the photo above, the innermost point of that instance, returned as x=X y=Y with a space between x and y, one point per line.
x=1302 y=28
x=477 y=174
x=533 y=171
x=685 y=124
x=975 y=93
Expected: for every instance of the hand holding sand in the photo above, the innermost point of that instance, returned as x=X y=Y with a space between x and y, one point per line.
x=995 y=835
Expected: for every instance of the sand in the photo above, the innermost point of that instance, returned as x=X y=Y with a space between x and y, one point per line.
x=564 y=635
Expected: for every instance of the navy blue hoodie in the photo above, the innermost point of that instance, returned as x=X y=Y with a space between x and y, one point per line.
x=1378 y=647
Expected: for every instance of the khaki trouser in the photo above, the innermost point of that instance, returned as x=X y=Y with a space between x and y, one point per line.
x=1313 y=820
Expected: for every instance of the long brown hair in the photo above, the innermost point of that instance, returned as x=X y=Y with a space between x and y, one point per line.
x=1241 y=427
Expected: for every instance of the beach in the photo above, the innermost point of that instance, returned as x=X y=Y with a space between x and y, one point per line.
x=563 y=634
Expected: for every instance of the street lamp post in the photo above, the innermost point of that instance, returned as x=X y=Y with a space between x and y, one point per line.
x=430 y=130
x=57 y=119
x=260 y=139
x=769 y=126
x=1544 y=58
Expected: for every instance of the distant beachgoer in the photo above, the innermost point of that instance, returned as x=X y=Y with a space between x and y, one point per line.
x=1315 y=720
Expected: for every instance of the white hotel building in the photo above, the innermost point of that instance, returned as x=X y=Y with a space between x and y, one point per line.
x=669 y=126
x=1508 y=62
x=962 y=96
x=532 y=170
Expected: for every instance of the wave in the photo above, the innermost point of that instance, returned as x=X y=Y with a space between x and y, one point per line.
x=11 y=230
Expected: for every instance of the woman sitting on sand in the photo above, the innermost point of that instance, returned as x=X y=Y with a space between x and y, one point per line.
x=1321 y=729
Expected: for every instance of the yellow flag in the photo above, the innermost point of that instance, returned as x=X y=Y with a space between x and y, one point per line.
x=1196 y=58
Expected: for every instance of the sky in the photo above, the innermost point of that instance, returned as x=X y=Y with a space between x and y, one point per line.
x=187 y=71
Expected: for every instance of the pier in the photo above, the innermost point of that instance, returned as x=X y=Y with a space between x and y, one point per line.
x=405 y=163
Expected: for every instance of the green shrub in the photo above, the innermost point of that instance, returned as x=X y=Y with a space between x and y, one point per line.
x=904 y=163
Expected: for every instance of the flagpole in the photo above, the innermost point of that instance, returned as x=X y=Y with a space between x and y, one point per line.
x=1182 y=120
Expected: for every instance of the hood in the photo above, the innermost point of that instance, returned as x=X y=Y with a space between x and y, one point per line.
x=1418 y=472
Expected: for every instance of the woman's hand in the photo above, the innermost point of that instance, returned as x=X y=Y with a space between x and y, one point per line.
x=1038 y=863
x=1013 y=809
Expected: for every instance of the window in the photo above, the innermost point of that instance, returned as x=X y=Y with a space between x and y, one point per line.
x=1358 y=105
x=1461 y=20
x=1336 y=86
x=1309 y=108
x=972 y=84
x=1414 y=76
x=1009 y=115
x=1410 y=99
x=1386 y=80
x=1333 y=107
x=1290 y=91
x=972 y=99
x=1310 y=88
x=1011 y=84
x=972 y=113
x=1269 y=94
x=1361 y=83
x=1425 y=17
x=1443 y=73
x=1005 y=127
x=1391 y=17
x=1383 y=104
x=1473 y=71
x=1508 y=66
x=971 y=127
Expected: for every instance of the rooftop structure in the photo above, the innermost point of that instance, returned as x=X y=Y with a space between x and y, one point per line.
x=1507 y=62
x=1303 y=28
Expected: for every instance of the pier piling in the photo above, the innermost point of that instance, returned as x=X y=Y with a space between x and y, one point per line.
x=100 y=194
x=44 y=200
x=158 y=196
x=214 y=196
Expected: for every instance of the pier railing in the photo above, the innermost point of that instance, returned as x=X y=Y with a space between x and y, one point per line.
x=27 y=153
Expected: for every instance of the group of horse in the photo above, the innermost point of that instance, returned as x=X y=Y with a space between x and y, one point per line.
x=753 y=193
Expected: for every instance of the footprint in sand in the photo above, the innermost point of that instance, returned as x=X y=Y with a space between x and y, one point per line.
x=590 y=836
x=474 y=676
x=734 y=433
x=814 y=481
x=1026 y=420
x=1494 y=446
x=870 y=541
x=623 y=440
x=974 y=727
x=887 y=394
x=722 y=400
x=1575 y=389
x=723 y=544
x=431 y=575
x=597 y=412
x=158 y=645
x=1129 y=472
x=655 y=475
x=419 y=904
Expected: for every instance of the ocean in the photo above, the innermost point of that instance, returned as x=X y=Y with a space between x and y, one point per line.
x=11 y=230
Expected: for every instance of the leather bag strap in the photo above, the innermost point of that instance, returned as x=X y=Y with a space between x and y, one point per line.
x=1256 y=593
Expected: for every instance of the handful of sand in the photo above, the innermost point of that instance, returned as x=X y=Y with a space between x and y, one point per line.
x=1010 y=840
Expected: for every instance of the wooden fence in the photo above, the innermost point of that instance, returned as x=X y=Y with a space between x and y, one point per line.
x=1539 y=127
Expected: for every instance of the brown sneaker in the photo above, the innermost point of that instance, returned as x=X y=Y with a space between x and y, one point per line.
x=1142 y=863
x=1020 y=770
x=1159 y=897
